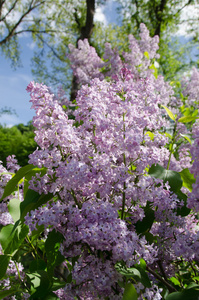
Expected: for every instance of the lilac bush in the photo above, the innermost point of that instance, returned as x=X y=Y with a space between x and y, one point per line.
x=108 y=210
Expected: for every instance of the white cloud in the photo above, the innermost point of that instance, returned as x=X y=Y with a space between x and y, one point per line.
x=107 y=13
x=189 y=12
x=100 y=16
x=9 y=120
x=31 y=45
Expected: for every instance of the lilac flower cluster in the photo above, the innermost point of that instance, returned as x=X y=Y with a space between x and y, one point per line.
x=97 y=171
x=191 y=89
x=193 y=199
x=87 y=65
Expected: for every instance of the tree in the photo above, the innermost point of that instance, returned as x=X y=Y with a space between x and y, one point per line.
x=17 y=140
x=163 y=18
x=12 y=24
x=7 y=110
x=53 y=25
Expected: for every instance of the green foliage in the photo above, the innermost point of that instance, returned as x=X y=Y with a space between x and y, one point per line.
x=191 y=294
x=137 y=273
x=169 y=113
x=16 y=243
x=172 y=177
x=145 y=225
x=55 y=24
x=130 y=292
x=12 y=236
x=4 y=261
x=187 y=178
x=17 y=140
x=163 y=18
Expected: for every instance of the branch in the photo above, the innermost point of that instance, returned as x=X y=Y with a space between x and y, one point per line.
x=186 y=4
x=9 y=11
x=50 y=47
x=36 y=31
x=170 y=287
x=12 y=31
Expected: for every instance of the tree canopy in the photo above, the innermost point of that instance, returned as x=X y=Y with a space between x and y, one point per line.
x=17 y=140
x=53 y=25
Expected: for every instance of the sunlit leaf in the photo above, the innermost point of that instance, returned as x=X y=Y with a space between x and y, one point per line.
x=169 y=112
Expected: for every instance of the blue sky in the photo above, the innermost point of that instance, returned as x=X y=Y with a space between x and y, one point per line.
x=13 y=83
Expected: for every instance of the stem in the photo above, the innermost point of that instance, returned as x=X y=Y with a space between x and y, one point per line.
x=170 y=287
x=75 y=199
x=60 y=274
x=173 y=140
x=193 y=268
x=35 y=250
x=62 y=155
x=123 y=201
x=124 y=184
x=162 y=270
x=94 y=126
x=18 y=271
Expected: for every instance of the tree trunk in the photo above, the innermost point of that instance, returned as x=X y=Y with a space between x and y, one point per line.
x=85 y=33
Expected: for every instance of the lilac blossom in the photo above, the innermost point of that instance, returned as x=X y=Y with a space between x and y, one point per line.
x=97 y=171
x=92 y=166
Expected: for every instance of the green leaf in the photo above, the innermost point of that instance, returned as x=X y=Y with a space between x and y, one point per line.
x=138 y=272
x=51 y=296
x=175 y=183
x=40 y=284
x=190 y=294
x=29 y=176
x=147 y=221
x=192 y=285
x=32 y=201
x=11 y=237
x=155 y=70
x=172 y=177
x=175 y=281
x=5 y=234
x=169 y=112
x=69 y=278
x=6 y=293
x=150 y=134
x=146 y=54
x=187 y=119
x=36 y=265
x=37 y=232
x=129 y=272
x=182 y=211
x=144 y=276
x=4 y=261
x=187 y=178
x=52 y=245
x=14 y=209
x=130 y=292
x=142 y=264
x=28 y=203
x=186 y=136
x=57 y=284
x=150 y=237
x=11 y=185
